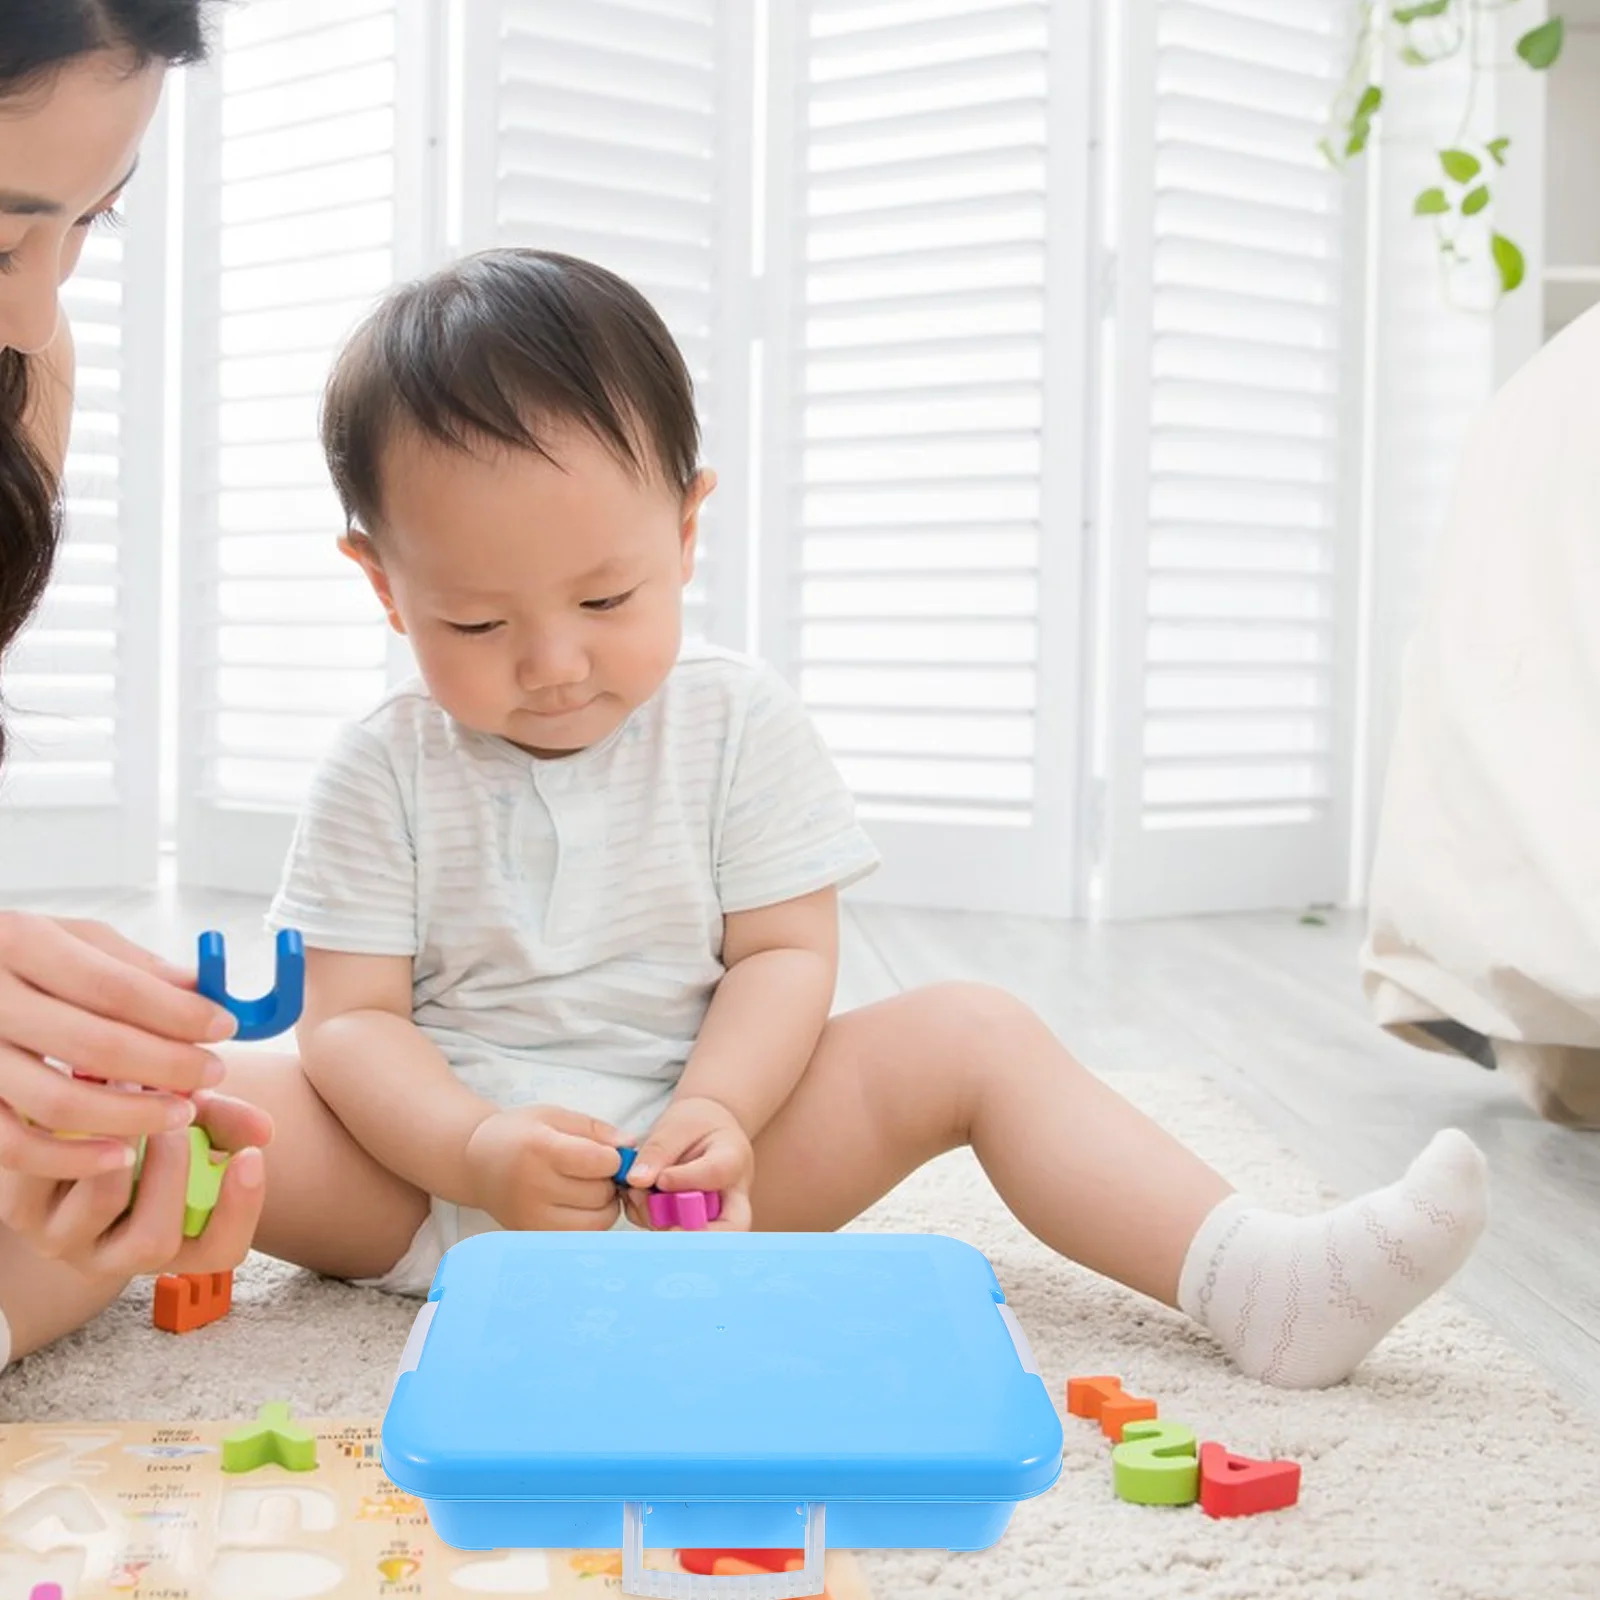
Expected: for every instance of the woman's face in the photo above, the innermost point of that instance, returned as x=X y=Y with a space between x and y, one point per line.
x=67 y=146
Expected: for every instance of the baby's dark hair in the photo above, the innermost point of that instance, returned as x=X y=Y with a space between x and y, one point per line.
x=497 y=348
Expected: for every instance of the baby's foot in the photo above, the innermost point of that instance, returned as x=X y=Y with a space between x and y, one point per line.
x=1299 y=1301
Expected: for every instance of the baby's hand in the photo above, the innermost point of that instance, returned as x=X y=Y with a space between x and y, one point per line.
x=539 y=1168
x=696 y=1144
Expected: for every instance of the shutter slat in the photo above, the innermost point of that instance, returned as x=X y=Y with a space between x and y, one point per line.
x=291 y=243
x=1231 y=588
x=607 y=140
x=979 y=72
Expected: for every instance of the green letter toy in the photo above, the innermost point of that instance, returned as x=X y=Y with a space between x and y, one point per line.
x=272 y=1437
x=1155 y=1465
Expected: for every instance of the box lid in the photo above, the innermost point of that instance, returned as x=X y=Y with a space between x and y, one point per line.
x=572 y=1366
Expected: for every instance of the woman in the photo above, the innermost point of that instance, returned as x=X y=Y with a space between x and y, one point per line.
x=1484 y=929
x=79 y=83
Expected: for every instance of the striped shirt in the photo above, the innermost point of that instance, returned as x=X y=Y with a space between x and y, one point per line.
x=563 y=916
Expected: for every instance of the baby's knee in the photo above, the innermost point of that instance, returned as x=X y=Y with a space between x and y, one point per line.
x=971 y=1016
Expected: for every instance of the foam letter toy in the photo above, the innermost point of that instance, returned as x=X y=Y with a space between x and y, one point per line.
x=1155 y=1465
x=189 y=1300
x=1239 y=1486
x=690 y=1209
x=705 y=1562
x=1085 y=1396
x=272 y=1437
x=1103 y=1400
x=205 y=1184
x=279 y=1008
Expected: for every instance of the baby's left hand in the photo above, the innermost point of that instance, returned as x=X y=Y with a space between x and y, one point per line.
x=697 y=1144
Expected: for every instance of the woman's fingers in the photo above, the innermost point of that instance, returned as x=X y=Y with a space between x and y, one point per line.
x=36 y=1153
x=27 y=1203
x=227 y=1236
x=82 y=1214
x=52 y=1101
x=151 y=1233
x=39 y=954
x=104 y=937
x=232 y=1124
x=106 y=1048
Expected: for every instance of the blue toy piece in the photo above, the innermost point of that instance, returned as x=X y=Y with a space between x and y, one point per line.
x=718 y=1390
x=276 y=1011
x=629 y=1156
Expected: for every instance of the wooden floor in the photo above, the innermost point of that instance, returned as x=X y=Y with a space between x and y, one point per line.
x=1267 y=1007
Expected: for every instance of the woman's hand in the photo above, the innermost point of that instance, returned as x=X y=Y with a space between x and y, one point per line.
x=76 y=997
x=88 y=1223
x=79 y=994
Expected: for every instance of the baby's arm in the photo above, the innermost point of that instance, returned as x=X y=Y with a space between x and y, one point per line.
x=758 y=1036
x=381 y=1076
x=529 y=1167
x=768 y=1011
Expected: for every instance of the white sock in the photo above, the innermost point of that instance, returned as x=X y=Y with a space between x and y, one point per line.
x=1299 y=1301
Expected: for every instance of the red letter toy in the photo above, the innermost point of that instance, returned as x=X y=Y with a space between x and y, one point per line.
x=1238 y=1486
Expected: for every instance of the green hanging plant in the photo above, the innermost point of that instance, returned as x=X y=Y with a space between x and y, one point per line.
x=1427 y=32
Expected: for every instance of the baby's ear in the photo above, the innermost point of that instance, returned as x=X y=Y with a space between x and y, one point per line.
x=361 y=550
x=695 y=496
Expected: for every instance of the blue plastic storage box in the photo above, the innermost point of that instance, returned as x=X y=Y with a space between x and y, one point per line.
x=726 y=1390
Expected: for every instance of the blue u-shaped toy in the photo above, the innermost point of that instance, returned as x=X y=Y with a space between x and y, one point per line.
x=276 y=1011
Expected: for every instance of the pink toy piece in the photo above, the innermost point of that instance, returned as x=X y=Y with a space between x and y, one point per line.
x=689 y=1209
x=46 y=1591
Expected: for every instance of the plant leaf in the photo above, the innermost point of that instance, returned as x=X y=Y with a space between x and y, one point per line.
x=1415 y=13
x=1431 y=203
x=1413 y=57
x=1540 y=47
x=1475 y=200
x=1507 y=260
x=1367 y=105
x=1460 y=165
x=1357 y=142
x=1497 y=148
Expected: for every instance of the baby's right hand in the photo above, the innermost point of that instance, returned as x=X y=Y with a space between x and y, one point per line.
x=542 y=1169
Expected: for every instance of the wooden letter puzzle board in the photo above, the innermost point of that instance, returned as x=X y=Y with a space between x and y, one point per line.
x=135 y=1509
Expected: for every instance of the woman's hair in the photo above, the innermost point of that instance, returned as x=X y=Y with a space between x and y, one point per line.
x=37 y=39
x=497 y=349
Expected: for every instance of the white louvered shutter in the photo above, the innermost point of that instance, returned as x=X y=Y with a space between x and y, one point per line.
x=78 y=799
x=1232 y=544
x=295 y=156
x=923 y=496
x=619 y=131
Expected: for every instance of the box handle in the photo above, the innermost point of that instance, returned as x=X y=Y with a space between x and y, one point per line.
x=737 y=1586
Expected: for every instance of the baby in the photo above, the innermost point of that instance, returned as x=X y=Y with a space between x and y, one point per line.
x=578 y=886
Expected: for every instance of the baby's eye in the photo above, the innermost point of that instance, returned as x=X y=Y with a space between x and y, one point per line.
x=610 y=603
x=473 y=629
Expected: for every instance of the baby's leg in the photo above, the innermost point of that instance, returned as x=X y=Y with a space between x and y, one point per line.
x=1295 y=1301
x=328 y=1205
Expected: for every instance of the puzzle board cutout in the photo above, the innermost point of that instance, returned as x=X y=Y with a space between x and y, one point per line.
x=144 y=1510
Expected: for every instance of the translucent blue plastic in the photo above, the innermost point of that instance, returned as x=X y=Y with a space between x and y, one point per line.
x=722 y=1381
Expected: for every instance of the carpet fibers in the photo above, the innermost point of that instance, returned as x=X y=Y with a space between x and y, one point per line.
x=1447 y=1470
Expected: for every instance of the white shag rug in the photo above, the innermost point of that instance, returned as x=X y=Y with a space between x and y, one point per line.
x=1447 y=1470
